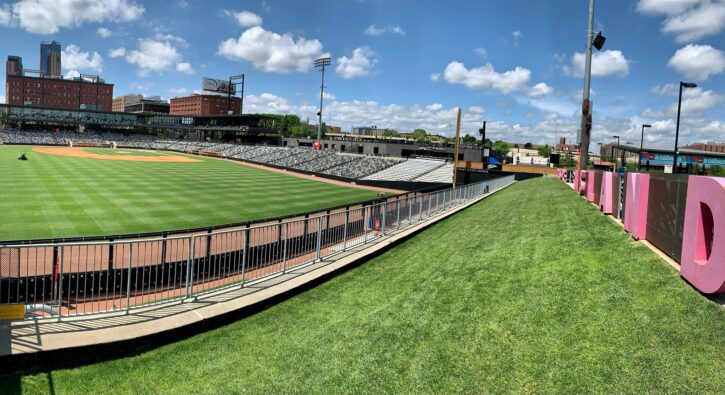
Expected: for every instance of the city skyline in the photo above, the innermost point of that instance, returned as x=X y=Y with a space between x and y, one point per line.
x=408 y=64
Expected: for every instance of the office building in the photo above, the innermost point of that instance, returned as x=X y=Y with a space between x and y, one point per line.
x=14 y=65
x=205 y=104
x=50 y=59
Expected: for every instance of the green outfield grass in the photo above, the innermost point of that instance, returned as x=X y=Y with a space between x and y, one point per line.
x=52 y=196
x=532 y=290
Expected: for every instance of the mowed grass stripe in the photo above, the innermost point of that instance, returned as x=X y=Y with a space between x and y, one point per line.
x=55 y=196
x=530 y=291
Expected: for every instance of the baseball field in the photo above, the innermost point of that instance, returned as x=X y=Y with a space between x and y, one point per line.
x=62 y=192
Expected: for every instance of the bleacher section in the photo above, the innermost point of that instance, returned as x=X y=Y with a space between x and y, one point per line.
x=441 y=174
x=407 y=171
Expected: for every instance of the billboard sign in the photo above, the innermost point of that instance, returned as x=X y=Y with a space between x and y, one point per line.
x=658 y=159
x=215 y=85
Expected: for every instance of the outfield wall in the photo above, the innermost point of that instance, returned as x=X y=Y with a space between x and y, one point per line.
x=683 y=216
x=69 y=279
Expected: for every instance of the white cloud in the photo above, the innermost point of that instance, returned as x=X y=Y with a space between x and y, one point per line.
x=360 y=64
x=49 y=16
x=481 y=52
x=150 y=56
x=177 y=91
x=516 y=37
x=694 y=102
x=476 y=110
x=245 y=18
x=161 y=36
x=698 y=62
x=73 y=58
x=539 y=90
x=6 y=15
x=664 y=90
x=486 y=78
x=141 y=86
x=272 y=52
x=688 y=20
x=184 y=68
x=117 y=52
x=375 y=31
x=435 y=76
x=328 y=96
x=606 y=63
x=72 y=74
x=104 y=32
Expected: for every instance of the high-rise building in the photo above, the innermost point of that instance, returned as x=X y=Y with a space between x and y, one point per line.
x=50 y=61
x=14 y=65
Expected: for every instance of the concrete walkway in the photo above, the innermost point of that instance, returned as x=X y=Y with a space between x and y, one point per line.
x=29 y=342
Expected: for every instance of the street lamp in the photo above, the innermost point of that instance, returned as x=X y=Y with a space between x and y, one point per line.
x=321 y=63
x=677 y=128
x=613 y=158
x=641 y=145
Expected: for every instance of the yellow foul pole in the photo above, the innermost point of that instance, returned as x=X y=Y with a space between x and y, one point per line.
x=455 y=154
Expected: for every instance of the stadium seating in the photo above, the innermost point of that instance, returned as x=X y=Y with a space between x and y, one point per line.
x=407 y=171
x=441 y=174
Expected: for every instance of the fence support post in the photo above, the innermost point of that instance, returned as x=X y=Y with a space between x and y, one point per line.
x=284 y=252
x=319 y=236
x=420 y=209
x=344 y=229
x=382 y=220
x=60 y=284
x=397 y=215
x=128 y=279
x=365 y=224
x=245 y=252
x=410 y=211
x=190 y=267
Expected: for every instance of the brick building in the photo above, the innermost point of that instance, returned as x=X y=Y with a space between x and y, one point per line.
x=60 y=93
x=205 y=105
x=563 y=147
x=14 y=65
x=120 y=102
x=710 y=147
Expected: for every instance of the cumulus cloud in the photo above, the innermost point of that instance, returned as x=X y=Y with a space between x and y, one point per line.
x=6 y=15
x=375 y=31
x=74 y=59
x=245 y=18
x=604 y=64
x=272 y=52
x=104 y=32
x=150 y=56
x=698 y=62
x=184 y=68
x=49 y=16
x=360 y=64
x=481 y=52
x=687 y=20
x=486 y=78
x=539 y=90
x=694 y=102
x=435 y=76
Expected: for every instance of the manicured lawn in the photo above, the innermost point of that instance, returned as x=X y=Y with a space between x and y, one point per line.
x=55 y=196
x=530 y=291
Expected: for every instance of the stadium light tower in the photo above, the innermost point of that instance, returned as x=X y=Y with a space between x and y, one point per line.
x=677 y=128
x=321 y=63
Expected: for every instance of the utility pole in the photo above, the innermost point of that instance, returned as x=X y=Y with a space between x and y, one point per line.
x=586 y=120
x=322 y=62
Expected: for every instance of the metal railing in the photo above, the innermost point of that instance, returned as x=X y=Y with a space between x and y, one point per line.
x=56 y=280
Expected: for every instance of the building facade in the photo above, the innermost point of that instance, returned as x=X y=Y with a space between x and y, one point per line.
x=563 y=147
x=50 y=59
x=710 y=147
x=58 y=93
x=205 y=105
x=119 y=103
x=14 y=65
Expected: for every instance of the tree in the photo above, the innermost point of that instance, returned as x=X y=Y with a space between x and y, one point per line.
x=419 y=135
x=528 y=146
x=717 y=171
x=545 y=151
x=502 y=147
x=391 y=133
x=468 y=140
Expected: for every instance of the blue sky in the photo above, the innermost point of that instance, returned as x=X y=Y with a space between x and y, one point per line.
x=406 y=64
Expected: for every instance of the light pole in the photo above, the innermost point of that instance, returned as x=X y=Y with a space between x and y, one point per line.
x=322 y=63
x=233 y=88
x=613 y=158
x=586 y=120
x=641 y=146
x=677 y=128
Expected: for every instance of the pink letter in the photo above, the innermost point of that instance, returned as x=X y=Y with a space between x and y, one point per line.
x=635 y=208
x=582 y=182
x=590 y=185
x=605 y=193
x=703 y=239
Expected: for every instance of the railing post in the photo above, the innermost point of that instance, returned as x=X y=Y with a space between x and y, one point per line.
x=344 y=229
x=128 y=279
x=190 y=267
x=382 y=220
x=410 y=211
x=60 y=284
x=420 y=208
x=284 y=251
x=245 y=252
x=438 y=201
x=319 y=236
x=365 y=225
x=430 y=201
x=397 y=215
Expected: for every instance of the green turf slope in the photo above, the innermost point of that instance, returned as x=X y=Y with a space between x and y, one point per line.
x=56 y=196
x=530 y=291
